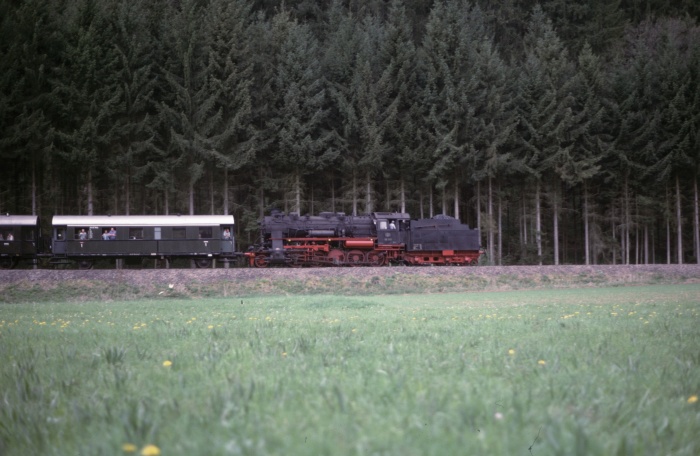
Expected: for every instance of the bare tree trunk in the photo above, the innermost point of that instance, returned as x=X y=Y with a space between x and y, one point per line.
x=226 y=208
x=555 y=221
x=696 y=221
x=191 y=197
x=679 y=221
x=297 y=193
x=444 y=200
x=668 y=229
x=614 y=233
x=430 y=203
x=354 y=193
x=478 y=210
x=586 y=232
x=456 y=199
x=90 y=201
x=538 y=223
x=33 y=185
x=500 y=226
x=490 y=222
x=403 y=196
x=368 y=201
x=166 y=205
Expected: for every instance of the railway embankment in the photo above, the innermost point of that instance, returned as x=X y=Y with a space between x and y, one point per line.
x=109 y=284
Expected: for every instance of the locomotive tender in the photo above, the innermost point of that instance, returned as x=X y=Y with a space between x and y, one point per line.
x=378 y=239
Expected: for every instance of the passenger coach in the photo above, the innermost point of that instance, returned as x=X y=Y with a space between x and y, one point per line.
x=202 y=238
x=19 y=239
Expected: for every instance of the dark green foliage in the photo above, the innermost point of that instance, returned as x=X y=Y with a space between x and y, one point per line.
x=567 y=131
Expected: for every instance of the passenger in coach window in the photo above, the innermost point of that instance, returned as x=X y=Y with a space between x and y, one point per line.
x=227 y=234
x=82 y=235
x=105 y=235
x=112 y=234
x=9 y=237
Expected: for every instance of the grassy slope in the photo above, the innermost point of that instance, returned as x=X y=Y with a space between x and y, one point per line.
x=594 y=371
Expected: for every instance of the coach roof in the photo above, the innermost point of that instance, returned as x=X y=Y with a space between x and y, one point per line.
x=142 y=220
x=19 y=220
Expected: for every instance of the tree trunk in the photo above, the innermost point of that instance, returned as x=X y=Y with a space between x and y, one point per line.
x=297 y=193
x=403 y=196
x=500 y=225
x=90 y=201
x=191 y=197
x=368 y=200
x=490 y=223
x=586 y=232
x=696 y=221
x=555 y=227
x=456 y=199
x=538 y=223
x=679 y=221
x=478 y=209
x=354 y=193
x=226 y=191
x=444 y=200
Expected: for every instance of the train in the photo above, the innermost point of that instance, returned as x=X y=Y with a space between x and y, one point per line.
x=376 y=239
x=286 y=239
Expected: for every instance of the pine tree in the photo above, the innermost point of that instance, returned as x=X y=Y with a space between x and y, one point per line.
x=89 y=94
x=191 y=114
x=546 y=117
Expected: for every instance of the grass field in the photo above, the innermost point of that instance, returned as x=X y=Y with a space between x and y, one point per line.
x=608 y=371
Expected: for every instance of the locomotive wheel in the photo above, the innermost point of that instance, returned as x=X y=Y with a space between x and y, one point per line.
x=260 y=261
x=375 y=258
x=85 y=264
x=336 y=257
x=203 y=263
x=355 y=257
x=7 y=263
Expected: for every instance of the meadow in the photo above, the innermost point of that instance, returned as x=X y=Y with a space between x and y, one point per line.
x=597 y=371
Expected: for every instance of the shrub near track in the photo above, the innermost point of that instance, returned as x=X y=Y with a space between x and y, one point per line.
x=544 y=372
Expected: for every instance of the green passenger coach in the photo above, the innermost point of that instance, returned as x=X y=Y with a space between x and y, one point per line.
x=202 y=238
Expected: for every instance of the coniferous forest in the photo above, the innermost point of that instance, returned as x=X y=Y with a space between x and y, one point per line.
x=568 y=131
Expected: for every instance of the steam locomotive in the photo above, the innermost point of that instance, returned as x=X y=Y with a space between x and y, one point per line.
x=327 y=239
x=377 y=239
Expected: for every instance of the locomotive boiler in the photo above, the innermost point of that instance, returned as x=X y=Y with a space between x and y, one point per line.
x=377 y=239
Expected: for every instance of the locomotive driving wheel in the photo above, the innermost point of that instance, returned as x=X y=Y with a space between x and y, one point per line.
x=85 y=264
x=355 y=257
x=336 y=257
x=375 y=258
x=260 y=261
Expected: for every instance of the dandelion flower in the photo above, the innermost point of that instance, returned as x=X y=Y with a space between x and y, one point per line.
x=541 y=362
x=129 y=448
x=167 y=363
x=511 y=352
x=693 y=399
x=210 y=327
x=150 y=450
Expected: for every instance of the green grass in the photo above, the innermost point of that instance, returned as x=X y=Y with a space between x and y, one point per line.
x=609 y=371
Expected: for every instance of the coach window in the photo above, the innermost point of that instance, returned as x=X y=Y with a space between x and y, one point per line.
x=179 y=233
x=60 y=234
x=156 y=233
x=81 y=233
x=135 y=233
x=28 y=234
x=205 y=232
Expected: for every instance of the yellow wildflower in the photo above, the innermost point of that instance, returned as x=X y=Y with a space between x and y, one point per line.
x=150 y=450
x=693 y=399
x=511 y=352
x=129 y=448
x=167 y=363
x=541 y=362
